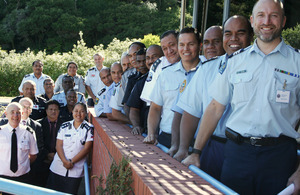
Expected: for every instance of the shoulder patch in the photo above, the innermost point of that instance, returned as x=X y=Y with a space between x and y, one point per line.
x=155 y=65
x=182 y=86
x=101 y=91
x=26 y=75
x=29 y=129
x=93 y=68
x=237 y=52
x=149 y=77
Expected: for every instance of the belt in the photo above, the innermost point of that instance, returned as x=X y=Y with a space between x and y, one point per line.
x=256 y=141
x=219 y=139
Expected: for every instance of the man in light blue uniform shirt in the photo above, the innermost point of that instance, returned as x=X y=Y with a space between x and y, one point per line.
x=168 y=85
x=212 y=46
x=237 y=34
x=262 y=85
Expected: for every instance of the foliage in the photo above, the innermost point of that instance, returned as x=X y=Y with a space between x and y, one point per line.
x=118 y=181
x=151 y=40
x=291 y=36
x=13 y=65
x=54 y=25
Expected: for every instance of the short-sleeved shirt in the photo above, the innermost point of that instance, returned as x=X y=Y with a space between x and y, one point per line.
x=38 y=109
x=135 y=101
x=165 y=92
x=26 y=146
x=123 y=85
x=78 y=80
x=38 y=81
x=61 y=98
x=92 y=79
x=184 y=84
x=195 y=98
x=113 y=103
x=132 y=79
x=154 y=71
x=263 y=91
x=103 y=98
x=74 y=141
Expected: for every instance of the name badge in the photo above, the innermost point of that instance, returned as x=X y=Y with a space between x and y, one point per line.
x=35 y=107
x=283 y=96
x=67 y=135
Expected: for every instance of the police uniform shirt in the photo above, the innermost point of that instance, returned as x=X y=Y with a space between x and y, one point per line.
x=154 y=71
x=73 y=142
x=92 y=79
x=78 y=80
x=61 y=98
x=263 y=91
x=113 y=100
x=26 y=145
x=38 y=109
x=103 y=98
x=38 y=81
x=202 y=58
x=195 y=98
x=165 y=91
x=184 y=84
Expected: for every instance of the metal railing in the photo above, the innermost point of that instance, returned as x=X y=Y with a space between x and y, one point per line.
x=223 y=188
x=14 y=187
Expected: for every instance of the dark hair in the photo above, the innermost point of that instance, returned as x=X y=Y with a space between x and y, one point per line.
x=248 y=24
x=71 y=90
x=68 y=77
x=72 y=63
x=82 y=104
x=169 y=32
x=50 y=102
x=48 y=79
x=37 y=61
x=141 y=52
x=192 y=31
x=142 y=45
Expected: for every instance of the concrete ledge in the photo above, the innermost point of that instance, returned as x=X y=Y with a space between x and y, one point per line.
x=153 y=171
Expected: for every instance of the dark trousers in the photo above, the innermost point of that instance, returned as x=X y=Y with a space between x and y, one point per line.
x=212 y=158
x=164 y=139
x=90 y=102
x=63 y=184
x=258 y=170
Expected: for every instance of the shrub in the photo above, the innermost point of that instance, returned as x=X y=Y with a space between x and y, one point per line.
x=13 y=66
x=291 y=36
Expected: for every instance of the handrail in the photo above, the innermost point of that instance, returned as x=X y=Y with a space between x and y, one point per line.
x=86 y=178
x=223 y=188
x=14 y=187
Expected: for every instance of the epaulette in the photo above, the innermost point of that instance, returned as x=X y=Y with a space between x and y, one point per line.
x=26 y=75
x=93 y=68
x=155 y=65
x=168 y=66
x=297 y=50
x=211 y=59
x=58 y=93
x=79 y=93
x=65 y=125
x=85 y=126
x=101 y=91
x=47 y=76
x=29 y=129
x=237 y=52
x=117 y=84
x=132 y=75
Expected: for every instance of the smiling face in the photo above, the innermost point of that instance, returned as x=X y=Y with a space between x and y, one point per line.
x=212 y=42
x=13 y=114
x=79 y=113
x=169 y=46
x=268 y=20
x=116 y=72
x=105 y=77
x=132 y=54
x=152 y=54
x=72 y=70
x=71 y=98
x=29 y=90
x=49 y=86
x=37 y=68
x=236 y=35
x=188 y=47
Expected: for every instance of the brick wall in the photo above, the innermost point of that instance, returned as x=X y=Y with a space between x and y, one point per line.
x=153 y=171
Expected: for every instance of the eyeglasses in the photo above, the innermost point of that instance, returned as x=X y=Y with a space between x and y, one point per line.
x=27 y=107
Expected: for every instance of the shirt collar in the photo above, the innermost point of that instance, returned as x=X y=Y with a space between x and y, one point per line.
x=281 y=47
x=10 y=128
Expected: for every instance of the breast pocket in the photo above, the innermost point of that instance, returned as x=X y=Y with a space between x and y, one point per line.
x=283 y=82
x=243 y=87
x=171 y=90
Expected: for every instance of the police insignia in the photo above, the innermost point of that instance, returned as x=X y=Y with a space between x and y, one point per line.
x=222 y=67
x=182 y=87
x=149 y=77
x=97 y=100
